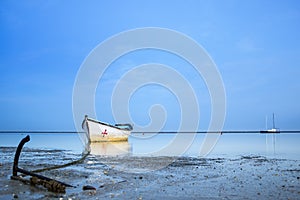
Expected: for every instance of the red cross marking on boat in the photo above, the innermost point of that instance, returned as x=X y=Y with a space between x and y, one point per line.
x=104 y=132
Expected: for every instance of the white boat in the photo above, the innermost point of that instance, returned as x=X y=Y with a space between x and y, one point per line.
x=272 y=130
x=110 y=148
x=103 y=132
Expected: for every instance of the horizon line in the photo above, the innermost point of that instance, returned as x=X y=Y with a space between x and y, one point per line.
x=152 y=132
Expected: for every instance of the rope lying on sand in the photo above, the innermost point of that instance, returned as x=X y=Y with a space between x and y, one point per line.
x=80 y=160
x=63 y=165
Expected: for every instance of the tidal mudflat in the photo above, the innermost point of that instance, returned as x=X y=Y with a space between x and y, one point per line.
x=130 y=177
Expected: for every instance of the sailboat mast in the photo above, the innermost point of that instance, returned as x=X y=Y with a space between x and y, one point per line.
x=273 y=122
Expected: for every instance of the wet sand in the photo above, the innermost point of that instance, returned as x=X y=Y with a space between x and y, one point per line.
x=127 y=177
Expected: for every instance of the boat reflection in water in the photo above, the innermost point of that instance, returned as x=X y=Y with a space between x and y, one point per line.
x=110 y=148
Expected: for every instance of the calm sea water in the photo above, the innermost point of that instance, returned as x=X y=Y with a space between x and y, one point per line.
x=285 y=146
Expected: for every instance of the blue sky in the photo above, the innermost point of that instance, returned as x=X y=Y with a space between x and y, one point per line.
x=255 y=45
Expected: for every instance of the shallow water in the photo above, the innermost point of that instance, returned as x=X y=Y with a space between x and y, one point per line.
x=229 y=145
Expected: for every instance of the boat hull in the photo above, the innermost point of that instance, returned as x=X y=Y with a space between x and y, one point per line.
x=110 y=148
x=102 y=132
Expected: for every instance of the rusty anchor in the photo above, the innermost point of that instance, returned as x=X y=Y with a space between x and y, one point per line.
x=36 y=179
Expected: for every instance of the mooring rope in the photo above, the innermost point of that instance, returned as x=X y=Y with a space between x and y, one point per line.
x=63 y=165
x=85 y=153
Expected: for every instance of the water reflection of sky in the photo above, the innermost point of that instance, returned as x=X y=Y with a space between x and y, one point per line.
x=228 y=145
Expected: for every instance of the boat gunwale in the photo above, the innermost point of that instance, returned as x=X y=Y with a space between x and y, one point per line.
x=112 y=126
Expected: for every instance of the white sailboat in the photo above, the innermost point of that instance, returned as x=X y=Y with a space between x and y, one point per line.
x=271 y=135
x=103 y=132
x=273 y=129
